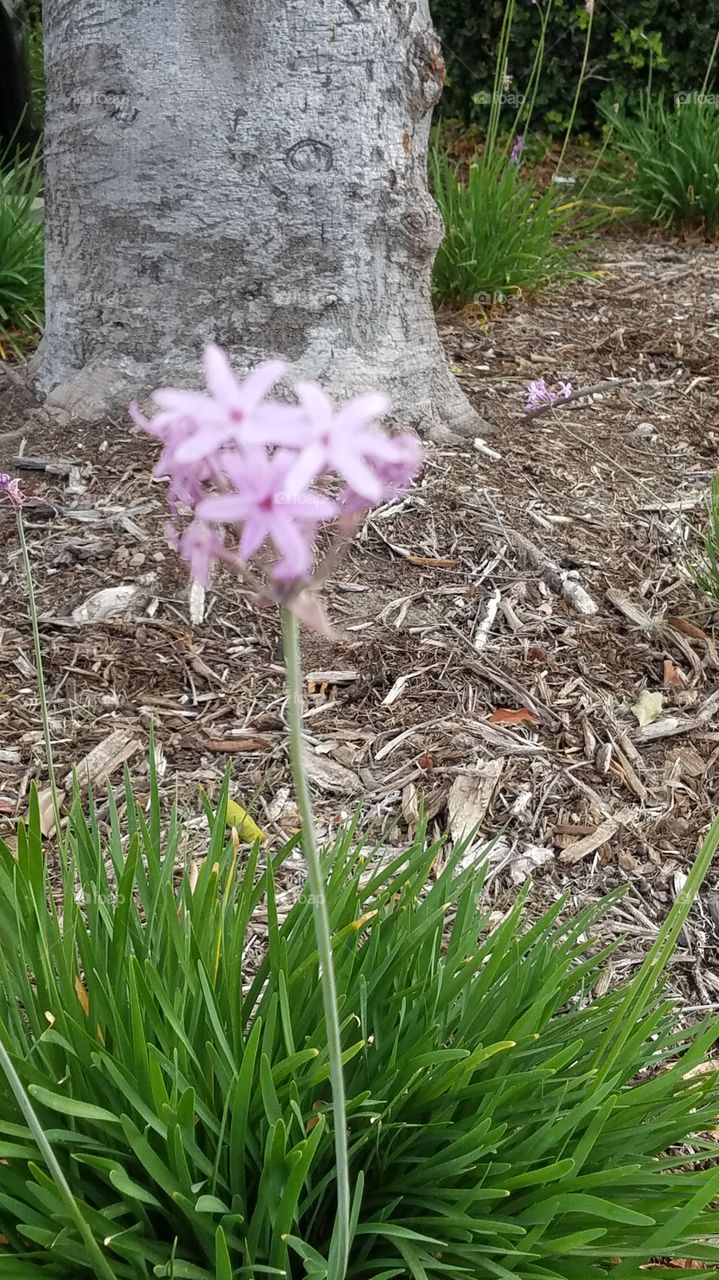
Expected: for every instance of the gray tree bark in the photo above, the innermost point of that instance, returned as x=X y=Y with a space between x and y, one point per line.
x=251 y=172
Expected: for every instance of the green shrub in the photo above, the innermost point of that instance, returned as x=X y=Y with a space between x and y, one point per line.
x=631 y=39
x=674 y=158
x=501 y=235
x=22 y=266
x=503 y=1122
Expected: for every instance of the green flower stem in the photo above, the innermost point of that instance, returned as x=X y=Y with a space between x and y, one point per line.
x=578 y=90
x=94 y=1253
x=32 y=608
x=293 y=667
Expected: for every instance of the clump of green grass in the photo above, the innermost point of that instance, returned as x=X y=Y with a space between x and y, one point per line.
x=22 y=260
x=704 y=568
x=502 y=235
x=673 y=154
x=503 y=1122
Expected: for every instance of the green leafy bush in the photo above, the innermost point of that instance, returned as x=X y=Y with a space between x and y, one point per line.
x=630 y=39
x=674 y=160
x=22 y=264
x=501 y=235
x=503 y=1123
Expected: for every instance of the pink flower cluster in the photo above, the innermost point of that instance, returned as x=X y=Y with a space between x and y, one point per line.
x=539 y=394
x=234 y=457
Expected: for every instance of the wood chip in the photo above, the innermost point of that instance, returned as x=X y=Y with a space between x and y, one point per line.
x=470 y=797
x=604 y=832
x=328 y=775
x=100 y=763
x=110 y=602
x=331 y=677
x=558 y=579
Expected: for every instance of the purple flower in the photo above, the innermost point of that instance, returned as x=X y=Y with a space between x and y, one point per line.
x=234 y=457
x=234 y=411
x=395 y=473
x=538 y=393
x=269 y=506
x=342 y=441
x=515 y=154
x=200 y=545
x=10 y=488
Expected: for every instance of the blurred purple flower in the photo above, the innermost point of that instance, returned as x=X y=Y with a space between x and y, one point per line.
x=515 y=154
x=344 y=441
x=538 y=393
x=10 y=488
x=268 y=505
x=233 y=457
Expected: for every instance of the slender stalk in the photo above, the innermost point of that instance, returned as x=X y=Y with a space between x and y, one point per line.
x=500 y=70
x=580 y=82
x=44 y=715
x=522 y=117
x=94 y=1253
x=293 y=667
x=710 y=64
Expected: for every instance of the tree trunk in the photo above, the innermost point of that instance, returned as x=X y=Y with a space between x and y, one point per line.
x=247 y=171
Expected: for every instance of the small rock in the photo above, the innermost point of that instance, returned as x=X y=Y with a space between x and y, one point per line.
x=645 y=431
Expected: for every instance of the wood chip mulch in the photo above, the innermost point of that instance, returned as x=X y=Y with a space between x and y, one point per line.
x=471 y=681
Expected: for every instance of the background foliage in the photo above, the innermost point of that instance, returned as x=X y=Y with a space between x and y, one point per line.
x=672 y=37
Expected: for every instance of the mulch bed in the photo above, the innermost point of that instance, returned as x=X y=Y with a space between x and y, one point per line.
x=465 y=683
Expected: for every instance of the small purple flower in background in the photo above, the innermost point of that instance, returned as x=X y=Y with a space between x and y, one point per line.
x=515 y=154
x=10 y=488
x=539 y=394
x=234 y=458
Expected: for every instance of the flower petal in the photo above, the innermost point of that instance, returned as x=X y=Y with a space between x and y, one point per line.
x=293 y=544
x=254 y=533
x=363 y=409
x=256 y=385
x=219 y=376
x=317 y=405
x=225 y=508
x=356 y=472
x=304 y=470
x=195 y=404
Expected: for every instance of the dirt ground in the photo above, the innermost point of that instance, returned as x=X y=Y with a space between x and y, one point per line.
x=467 y=681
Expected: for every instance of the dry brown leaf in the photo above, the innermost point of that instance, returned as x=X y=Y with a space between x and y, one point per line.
x=673 y=676
x=688 y=629
x=230 y=746
x=513 y=715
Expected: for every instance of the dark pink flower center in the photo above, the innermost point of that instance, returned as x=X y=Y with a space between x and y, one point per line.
x=267 y=503
x=236 y=415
